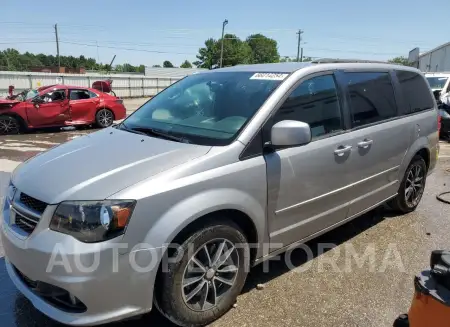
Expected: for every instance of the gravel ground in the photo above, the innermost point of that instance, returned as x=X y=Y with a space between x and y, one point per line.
x=328 y=287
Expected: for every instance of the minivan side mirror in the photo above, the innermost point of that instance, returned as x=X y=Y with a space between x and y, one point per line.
x=290 y=133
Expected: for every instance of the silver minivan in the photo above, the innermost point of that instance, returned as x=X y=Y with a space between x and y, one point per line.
x=220 y=171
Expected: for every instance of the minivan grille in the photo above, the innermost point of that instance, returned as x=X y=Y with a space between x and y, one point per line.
x=33 y=203
x=27 y=224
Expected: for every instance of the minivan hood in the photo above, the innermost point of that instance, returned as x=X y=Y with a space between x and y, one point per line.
x=97 y=165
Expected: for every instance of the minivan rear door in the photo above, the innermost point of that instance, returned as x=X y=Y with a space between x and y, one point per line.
x=378 y=138
x=308 y=185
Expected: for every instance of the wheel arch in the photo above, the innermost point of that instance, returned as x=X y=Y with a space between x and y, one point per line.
x=107 y=108
x=420 y=147
x=237 y=217
x=425 y=154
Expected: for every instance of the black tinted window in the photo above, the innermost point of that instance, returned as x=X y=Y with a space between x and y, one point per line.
x=371 y=97
x=315 y=102
x=415 y=90
x=79 y=94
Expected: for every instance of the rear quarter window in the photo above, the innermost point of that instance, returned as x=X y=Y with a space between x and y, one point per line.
x=372 y=98
x=415 y=91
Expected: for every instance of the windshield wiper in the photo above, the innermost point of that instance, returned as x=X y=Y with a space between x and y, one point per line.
x=164 y=135
x=150 y=131
x=156 y=132
x=123 y=127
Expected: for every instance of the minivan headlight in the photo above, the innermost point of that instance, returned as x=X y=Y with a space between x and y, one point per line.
x=92 y=221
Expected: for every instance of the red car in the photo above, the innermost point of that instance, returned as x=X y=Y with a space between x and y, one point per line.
x=60 y=105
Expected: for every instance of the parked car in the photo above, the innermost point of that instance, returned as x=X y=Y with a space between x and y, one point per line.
x=235 y=165
x=439 y=83
x=444 y=114
x=59 y=105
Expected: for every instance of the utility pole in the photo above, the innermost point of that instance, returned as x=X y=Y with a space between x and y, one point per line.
x=57 y=47
x=301 y=55
x=225 y=22
x=300 y=32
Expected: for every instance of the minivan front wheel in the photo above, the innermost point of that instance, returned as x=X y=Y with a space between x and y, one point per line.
x=204 y=275
x=412 y=187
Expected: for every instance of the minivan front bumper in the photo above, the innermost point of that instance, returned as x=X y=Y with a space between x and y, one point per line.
x=106 y=283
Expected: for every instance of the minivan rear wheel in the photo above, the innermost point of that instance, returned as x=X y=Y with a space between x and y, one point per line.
x=204 y=275
x=412 y=187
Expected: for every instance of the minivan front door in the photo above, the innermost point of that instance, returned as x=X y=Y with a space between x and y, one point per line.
x=308 y=185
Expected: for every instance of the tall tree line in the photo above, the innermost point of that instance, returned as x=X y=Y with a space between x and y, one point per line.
x=255 y=49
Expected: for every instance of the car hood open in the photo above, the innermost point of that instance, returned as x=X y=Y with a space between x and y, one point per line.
x=97 y=165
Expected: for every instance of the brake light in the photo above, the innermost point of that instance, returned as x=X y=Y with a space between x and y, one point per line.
x=439 y=123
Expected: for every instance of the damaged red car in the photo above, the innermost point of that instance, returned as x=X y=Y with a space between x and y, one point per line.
x=60 y=105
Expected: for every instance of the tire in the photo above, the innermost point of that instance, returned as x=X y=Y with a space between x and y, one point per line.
x=9 y=125
x=403 y=202
x=104 y=118
x=178 y=303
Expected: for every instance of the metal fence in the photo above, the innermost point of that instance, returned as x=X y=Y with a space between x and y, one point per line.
x=125 y=86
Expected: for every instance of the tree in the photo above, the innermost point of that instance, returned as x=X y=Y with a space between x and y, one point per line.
x=207 y=56
x=118 y=68
x=11 y=59
x=186 y=64
x=167 y=64
x=140 y=69
x=400 y=61
x=156 y=66
x=264 y=49
x=235 y=51
x=128 y=68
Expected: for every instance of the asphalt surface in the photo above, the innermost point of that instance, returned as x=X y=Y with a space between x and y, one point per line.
x=323 y=288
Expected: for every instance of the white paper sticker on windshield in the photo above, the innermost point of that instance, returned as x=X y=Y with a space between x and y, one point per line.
x=270 y=76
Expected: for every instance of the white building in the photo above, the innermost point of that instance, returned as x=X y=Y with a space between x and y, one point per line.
x=436 y=60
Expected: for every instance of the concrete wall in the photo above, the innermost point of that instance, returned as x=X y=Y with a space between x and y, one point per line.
x=125 y=86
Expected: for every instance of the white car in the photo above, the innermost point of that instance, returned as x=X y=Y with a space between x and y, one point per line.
x=440 y=84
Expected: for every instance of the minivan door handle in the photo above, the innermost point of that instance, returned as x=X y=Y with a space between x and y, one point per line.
x=365 y=144
x=341 y=150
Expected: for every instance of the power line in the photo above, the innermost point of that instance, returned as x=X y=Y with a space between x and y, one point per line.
x=130 y=49
x=20 y=42
x=133 y=43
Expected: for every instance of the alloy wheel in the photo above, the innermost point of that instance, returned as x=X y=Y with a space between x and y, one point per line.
x=210 y=274
x=105 y=117
x=9 y=126
x=414 y=185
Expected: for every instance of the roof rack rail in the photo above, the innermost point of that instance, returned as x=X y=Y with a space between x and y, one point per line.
x=337 y=61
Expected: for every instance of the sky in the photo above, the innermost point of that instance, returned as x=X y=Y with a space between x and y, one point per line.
x=149 y=32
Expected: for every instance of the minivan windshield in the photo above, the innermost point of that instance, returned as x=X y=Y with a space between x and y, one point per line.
x=437 y=82
x=206 y=108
